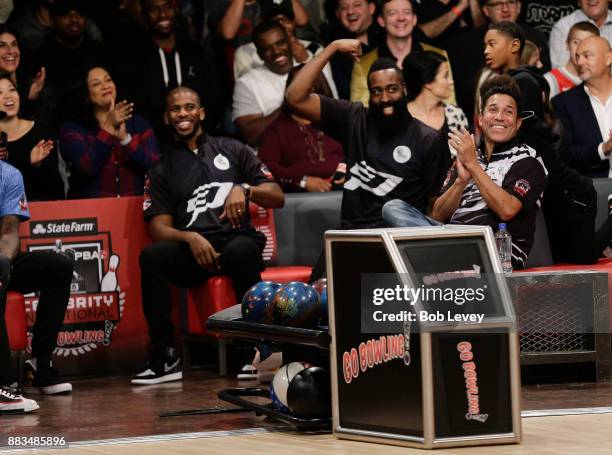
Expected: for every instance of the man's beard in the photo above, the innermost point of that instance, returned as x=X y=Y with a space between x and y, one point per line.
x=394 y=122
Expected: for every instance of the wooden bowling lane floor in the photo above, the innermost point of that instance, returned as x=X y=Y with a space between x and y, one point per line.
x=566 y=435
x=109 y=408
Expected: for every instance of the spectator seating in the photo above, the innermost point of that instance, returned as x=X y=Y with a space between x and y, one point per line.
x=16 y=324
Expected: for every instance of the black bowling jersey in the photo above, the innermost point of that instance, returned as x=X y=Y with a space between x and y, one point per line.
x=193 y=187
x=408 y=165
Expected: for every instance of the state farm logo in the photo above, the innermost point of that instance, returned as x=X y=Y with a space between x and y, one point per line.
x=63 y=228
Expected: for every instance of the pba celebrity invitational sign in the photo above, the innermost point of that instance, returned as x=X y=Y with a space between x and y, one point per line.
x=96 y=302
x=104 y=328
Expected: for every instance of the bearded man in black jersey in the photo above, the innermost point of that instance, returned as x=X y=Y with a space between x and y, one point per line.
x=389 y=154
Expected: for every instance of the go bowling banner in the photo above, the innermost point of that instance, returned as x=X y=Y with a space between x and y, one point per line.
x=104 y=328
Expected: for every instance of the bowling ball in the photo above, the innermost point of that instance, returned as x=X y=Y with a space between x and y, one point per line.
x=296 y=304
x=257 y=302
x=280 y=383
x=321 y=287
x=309 y=393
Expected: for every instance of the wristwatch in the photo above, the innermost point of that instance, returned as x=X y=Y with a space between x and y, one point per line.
x=247 y=190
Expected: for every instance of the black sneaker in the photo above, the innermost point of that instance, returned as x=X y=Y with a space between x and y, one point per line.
x=11 y=403
x=164 y=369
x=44 y=380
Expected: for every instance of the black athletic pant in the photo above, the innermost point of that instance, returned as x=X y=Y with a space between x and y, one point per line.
x=51 y=274
x=165 y=263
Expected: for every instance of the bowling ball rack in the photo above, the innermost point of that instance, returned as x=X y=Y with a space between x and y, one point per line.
x=228 y=323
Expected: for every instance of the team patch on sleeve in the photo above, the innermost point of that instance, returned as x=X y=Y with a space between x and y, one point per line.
x=265 y=171
x=522 y=187
x=23 y=203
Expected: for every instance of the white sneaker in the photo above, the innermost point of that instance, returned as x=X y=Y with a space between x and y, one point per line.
x=15 y=404
x=162 y=369
x=47 y=383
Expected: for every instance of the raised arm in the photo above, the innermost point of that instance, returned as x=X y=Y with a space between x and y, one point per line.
x=300 y=14
x=437 y=26
x=230 y=22
x=478 y=17
x=299 y=94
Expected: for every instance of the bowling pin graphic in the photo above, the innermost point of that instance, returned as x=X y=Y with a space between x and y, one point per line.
x=109 y=282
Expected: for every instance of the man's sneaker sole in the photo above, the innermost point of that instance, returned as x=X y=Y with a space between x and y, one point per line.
x=159 y=380
x=22 y=407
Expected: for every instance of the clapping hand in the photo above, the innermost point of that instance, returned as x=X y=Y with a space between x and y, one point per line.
x=117 y=116
x=120 y=113
x=37 y=84
x=40 y=151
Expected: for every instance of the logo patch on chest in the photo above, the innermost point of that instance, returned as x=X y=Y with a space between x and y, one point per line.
x=221 y=162
x=402 y=154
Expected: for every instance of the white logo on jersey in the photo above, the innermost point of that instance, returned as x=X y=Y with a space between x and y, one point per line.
x=402 y=154
x=221 y=162
x=199 y=204
x=364 y=176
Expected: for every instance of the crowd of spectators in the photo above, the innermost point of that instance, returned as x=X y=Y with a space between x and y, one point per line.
x=83 y=83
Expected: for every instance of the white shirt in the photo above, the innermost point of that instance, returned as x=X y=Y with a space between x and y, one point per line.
x=246 y=58
x=603 y=114
x=559 y=55
x=260 y=91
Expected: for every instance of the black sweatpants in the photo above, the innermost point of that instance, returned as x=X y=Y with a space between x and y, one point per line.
x=165 y=263
x=44 y=271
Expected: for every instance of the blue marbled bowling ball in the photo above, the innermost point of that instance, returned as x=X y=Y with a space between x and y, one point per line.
x=257 y=302
x=297 y=304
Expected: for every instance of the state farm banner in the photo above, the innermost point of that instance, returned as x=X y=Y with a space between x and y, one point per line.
x=104 y=329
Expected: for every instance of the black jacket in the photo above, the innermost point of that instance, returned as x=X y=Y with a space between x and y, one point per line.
x=570 y=200
x=142 y=75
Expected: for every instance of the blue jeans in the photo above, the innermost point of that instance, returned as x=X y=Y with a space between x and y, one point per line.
x=398 y=213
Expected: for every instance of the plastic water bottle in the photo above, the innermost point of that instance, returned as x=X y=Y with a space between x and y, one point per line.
x=504 y=247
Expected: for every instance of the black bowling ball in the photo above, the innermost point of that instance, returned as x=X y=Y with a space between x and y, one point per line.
x=309 y=393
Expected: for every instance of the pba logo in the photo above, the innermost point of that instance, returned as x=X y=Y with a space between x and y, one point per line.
x=96 y=302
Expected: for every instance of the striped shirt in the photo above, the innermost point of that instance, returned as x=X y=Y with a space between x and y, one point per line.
x=520 y=171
